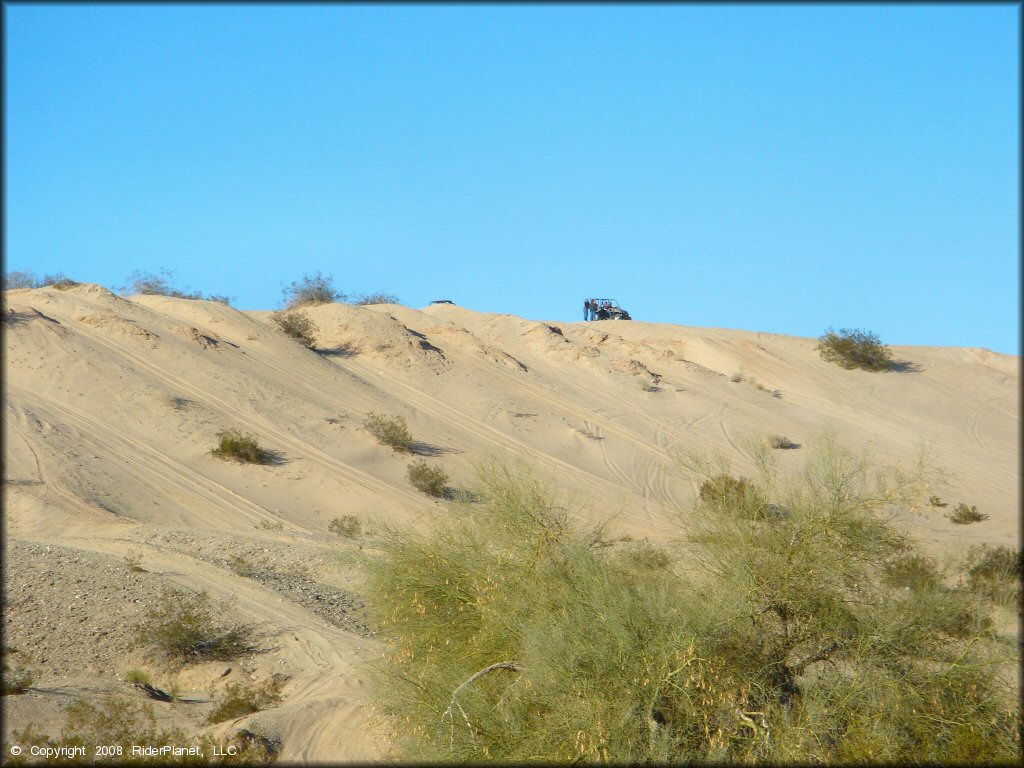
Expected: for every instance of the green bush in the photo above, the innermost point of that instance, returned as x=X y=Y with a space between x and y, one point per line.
x=391 y=431
x=185 y=628
x=232 y=444
x=430 y=480
x=736 y=494
x=516 y=635
x=243 y=699
x=311 y=290
x=995 y=572
x=138 y=677
x=346 y=525
x=855 y=349
x=964 y=515
x=298 y=326
x=912 y=571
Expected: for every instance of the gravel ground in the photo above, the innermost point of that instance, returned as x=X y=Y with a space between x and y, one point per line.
x=287 y=569
x=70 y=613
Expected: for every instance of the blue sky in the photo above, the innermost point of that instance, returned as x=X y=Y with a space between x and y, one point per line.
x=781 y=168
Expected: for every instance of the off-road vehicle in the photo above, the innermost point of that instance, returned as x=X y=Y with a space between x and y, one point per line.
x=609 y=309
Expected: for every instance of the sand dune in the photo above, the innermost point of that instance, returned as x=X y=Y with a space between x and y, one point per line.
x=112 y=405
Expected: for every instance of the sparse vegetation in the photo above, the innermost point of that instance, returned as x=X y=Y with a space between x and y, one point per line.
x=298 y=326
x=736 y=494
x=995 y=573
x=429 y=479
x=780 y=441
x=964 y=515
x=311 y=290
x=233 y=444
x=391 y=431
x=182 y=627
x=375 y=298
x=935 y=501
x=243 y=699
x=145 y=283
x=347 y=526
x=117 y=723
x=855 y=349
x=515 y=634
x=138 y=677
x=15 y=680
x=28 y=279
x=242 y=566
x=133 y=559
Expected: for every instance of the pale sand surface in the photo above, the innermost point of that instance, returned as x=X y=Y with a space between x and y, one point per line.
x=111 y=407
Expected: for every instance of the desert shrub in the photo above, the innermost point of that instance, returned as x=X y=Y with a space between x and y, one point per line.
x=391 y=431
x=183 y=627
x=376 y=298
x=16 y=680
x=911 y=571
x=935 y=501
x=737 y=494
x=220 y=298
x=242 y=566
x=298 y=326
x=515 y=634
x=148 y=283
x=310 y=290
x=780 y=441
x=430 y=480
x=138 y=676
x=245 y=698
x=855 y=349
x=964 y=515
x=60 y=281
x=133 y=559
x=20 y=279
x=994 y=572
x=346 y=525
x=233 y=444
x=644 y=554
x=118 y=723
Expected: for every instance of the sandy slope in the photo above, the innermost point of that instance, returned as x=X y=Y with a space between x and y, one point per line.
x=112 y=405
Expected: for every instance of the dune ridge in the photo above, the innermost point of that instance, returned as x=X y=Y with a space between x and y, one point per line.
x=112 y=405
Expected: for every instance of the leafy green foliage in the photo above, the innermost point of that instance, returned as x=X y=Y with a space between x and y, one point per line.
x=428 y=479
x=183 y=627
x=298 y=326
x=517 y=635
x=391 y=431
x=233 y=444
x=855 y=349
